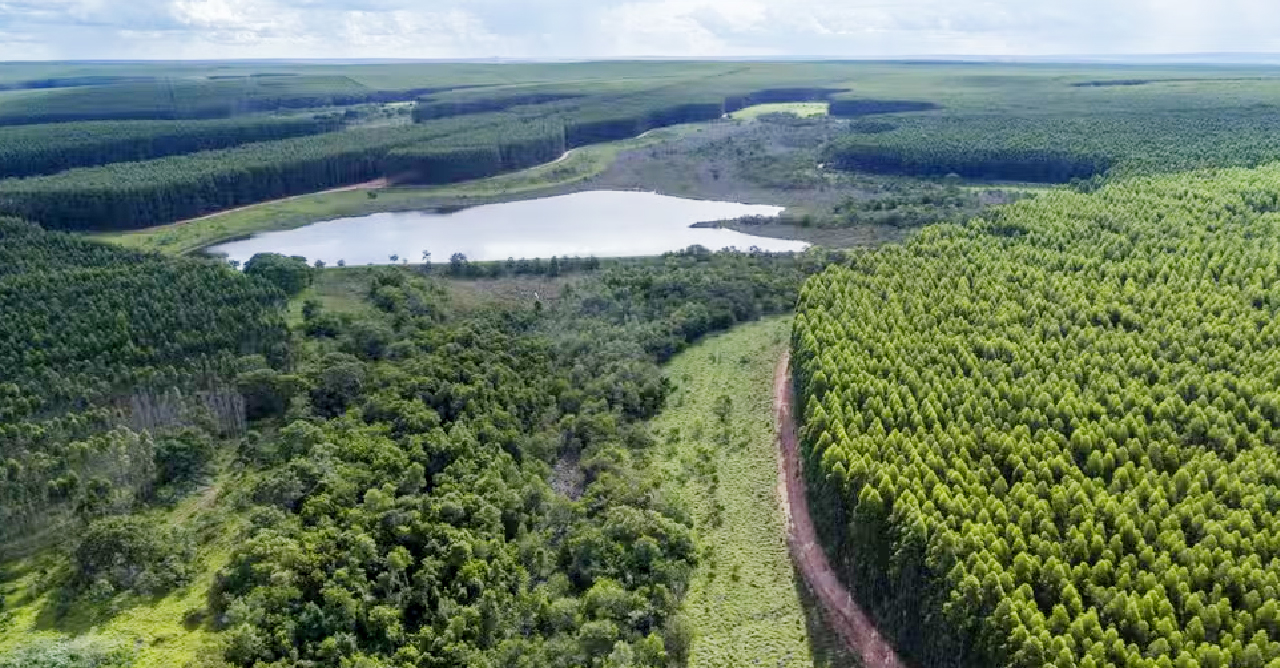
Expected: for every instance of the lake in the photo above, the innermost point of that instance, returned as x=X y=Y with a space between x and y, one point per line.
x=596 y=223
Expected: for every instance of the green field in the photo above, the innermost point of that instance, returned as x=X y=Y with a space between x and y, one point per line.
x=578 y=165
x=155 y=629
x=802 y=109
x=746 y=602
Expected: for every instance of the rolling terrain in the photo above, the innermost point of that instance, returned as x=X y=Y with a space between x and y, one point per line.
x=1034 y=419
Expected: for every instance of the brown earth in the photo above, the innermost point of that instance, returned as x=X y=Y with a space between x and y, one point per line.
x=842 y=612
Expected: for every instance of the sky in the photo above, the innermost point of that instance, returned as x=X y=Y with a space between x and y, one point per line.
x=578 y=29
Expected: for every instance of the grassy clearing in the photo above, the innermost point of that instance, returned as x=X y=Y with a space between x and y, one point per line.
x=157 y=628
x=577 y=166
x=802 y=109
x=746 y=601
x=338 y=289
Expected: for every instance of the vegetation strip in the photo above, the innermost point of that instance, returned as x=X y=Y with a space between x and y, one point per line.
x=746 y=604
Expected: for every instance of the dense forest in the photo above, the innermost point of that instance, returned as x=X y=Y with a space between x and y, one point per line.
x=992 y=124
x=1048 y=437
x=172 y=99
x=1059 y=147
x=402 y=482
x=407 y=512
x=130 y=195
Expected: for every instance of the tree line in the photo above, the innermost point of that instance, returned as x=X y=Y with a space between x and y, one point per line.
x=30 y=150
x=1058 y=147
x=176 y=99
x=142 y=194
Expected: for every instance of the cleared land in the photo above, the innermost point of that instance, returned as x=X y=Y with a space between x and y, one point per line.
x=801 y=109
x=160 y=631
x=746 y=602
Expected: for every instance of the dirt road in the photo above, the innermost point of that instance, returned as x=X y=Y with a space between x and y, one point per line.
x=838 y=606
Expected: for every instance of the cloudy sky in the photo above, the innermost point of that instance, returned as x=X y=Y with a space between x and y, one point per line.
x=83 y=29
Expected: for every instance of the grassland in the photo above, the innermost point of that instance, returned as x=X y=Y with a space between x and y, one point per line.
x=159 y=630
x=575 y=167
x=746 y=602
x=802 y=109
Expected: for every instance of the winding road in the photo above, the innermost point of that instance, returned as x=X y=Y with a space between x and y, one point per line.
x=842 y=612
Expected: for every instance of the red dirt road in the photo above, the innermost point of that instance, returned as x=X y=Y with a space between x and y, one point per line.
x=838 y=606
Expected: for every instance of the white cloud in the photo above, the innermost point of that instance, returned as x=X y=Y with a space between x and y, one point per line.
x=609 y=28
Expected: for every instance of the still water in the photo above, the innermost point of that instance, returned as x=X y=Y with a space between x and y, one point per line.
x=598 y=223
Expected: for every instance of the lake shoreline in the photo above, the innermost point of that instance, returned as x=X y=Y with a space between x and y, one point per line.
x=597 y=223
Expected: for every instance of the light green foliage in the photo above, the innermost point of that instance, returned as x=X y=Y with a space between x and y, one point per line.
x=745 y=604
x=801 y=109
x=82 y=652
x=1051 y=434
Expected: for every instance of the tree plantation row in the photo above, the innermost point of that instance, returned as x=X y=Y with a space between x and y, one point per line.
x=88 y=326
x=142 y=194
x=174 y=98
x=1049 y=437
x=1056 y=148
x=476 y=121
x=28 y=150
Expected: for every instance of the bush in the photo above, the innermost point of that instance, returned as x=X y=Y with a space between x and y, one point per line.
x=267 y=392
x=290 y=274
x=182 y=457
x=677 y=638
x=130 y=554
x=83 y=652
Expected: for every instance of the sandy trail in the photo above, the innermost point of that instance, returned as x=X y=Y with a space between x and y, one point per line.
x=838 y=606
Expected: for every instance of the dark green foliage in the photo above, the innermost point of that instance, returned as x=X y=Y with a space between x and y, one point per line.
x=129 y=553
x=267 y=392
x=172 y=99
x=141 y=194
x=1049 y=437
x=431 y=109
x=75 y=81
x=917 y=204
x=291 y=274
x=479 y=153
x=1012 y=164
x=46 y=149
x=439 y=165
x=411 y=520
x=1059 y=147
x=85 y=321
x=182 y=457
